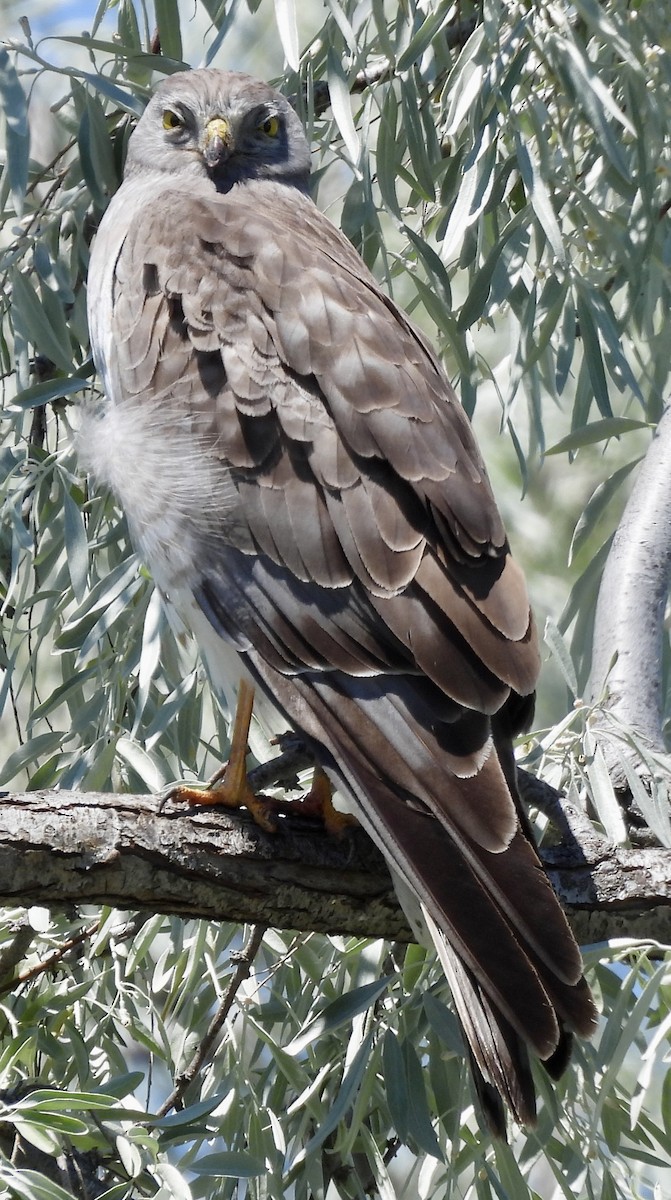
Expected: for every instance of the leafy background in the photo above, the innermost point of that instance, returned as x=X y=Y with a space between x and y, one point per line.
x=506 y=175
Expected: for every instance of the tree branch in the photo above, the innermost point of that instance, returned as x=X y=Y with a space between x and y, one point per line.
x=629 y=621
x=58 y=848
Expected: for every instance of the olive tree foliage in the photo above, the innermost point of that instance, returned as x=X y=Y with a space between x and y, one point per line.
x=504 y=169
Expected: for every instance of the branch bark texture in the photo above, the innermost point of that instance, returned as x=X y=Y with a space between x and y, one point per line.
x=59 y=848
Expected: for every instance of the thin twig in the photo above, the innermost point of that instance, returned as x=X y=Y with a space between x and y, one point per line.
x=50 y=960
x=127 y=930
x=244 y=959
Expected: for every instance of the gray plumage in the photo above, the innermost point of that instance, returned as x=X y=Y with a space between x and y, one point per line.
x=307 y=491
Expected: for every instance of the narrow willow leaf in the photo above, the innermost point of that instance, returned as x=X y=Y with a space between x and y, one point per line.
x=387 y=153
x=509 y=1172
x=433 y=265
x=464 y=83
x=618 y=367
x=597 y=431
x=129 y=1154
x=51 y=1121
x=233 y=1164
x=118 y=1192
x=283 y=1061
x=35 y=1133
x=96 y=152
x=344 y=25
x=594 y=97
x=188 y=1116
x=382 y=28
x=142 y=763
x=285 y=19
x=341 y=106
x=655 y=813
x=348 y=1089
x=596 y=16
x=150 y=653
x=122 y=99
x=31 y=318
x=460 y=214
x=539 y=196
x=53 y=272
x=7 y=677
x=414 y=132
x=101 y=596
x=27 y=755
x=418 y=1118
x=476 y=300
x=560 y=652
x=31 y=1185
x=128 y=29
x=396 y=1092
x=345 y=1008
x=223 y=16
x=69 y=638
x=217 y=11
x=17 y=133
x=566 y=346
x=593 y=356
x=118 y=49
x=625 y=1029
x=76 y=545
x=168 y=21
x=603 y=795
x=598 y=503
x=121 y=1085
x=51 y=389
x=420 y=41
x=510 y=266
x=385 y=1188
x=435 y=307
x=549 y=310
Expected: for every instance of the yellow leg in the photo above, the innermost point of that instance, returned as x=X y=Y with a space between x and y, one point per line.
x=319 y=803
x=233 y=791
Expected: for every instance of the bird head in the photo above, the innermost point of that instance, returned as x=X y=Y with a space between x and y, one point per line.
x=222 y=125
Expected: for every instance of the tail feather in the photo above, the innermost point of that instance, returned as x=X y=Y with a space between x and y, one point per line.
x=498 y=1056
x=504 y=943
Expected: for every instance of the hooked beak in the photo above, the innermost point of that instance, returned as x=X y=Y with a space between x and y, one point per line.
x=218 y=141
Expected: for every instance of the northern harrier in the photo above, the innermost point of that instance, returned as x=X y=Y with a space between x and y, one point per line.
x=307 y=491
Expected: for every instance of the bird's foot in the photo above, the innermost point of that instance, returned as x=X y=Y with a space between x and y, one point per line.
x=261 y=808
x=229 y=787
x=318 y=803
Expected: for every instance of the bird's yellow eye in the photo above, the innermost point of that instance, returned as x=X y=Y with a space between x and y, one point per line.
x=271 y=126
x=171 y=119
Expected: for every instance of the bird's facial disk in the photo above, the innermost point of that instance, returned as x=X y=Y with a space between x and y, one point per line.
x=218 y=138
x=226 y=125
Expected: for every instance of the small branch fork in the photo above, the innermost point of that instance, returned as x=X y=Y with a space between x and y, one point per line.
x=245 y=959
x=51 y=960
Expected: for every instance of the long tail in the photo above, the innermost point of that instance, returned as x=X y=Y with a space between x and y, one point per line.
x=509 y=956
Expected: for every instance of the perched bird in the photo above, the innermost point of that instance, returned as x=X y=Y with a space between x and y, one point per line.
x=307 y=491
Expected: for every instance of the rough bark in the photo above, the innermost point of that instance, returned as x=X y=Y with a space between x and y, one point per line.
x=59 y=848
